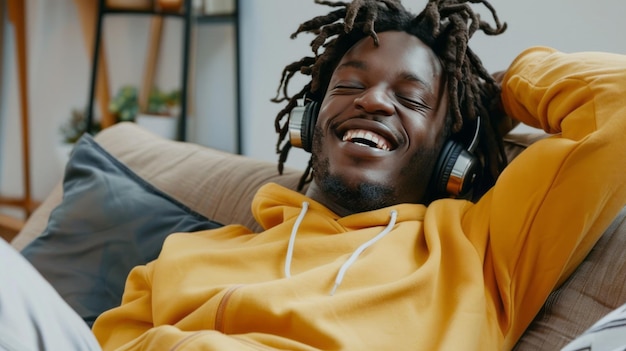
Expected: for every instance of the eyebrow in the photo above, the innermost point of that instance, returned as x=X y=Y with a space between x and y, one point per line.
x=354 y=64
x=409 y=76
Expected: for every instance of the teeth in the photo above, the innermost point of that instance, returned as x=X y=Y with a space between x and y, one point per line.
x=365 y=137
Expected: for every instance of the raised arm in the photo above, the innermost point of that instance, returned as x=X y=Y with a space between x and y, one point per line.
x=573 y=94
x=554 y=201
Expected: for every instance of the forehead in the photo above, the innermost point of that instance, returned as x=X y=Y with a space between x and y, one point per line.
x=398 y=53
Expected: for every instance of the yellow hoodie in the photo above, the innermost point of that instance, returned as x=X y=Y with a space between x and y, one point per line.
x=451 y=276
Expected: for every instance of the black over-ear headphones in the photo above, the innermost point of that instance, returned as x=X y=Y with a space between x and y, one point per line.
x=302 y=121
x=456 y=168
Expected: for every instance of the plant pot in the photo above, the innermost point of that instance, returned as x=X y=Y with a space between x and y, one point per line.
x=165 y=126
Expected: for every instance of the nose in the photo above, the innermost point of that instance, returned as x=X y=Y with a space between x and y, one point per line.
x=375 y=100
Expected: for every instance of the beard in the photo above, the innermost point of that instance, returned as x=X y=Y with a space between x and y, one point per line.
x=365 y=196
x=361 y=197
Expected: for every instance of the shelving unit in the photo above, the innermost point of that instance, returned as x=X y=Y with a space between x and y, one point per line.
x=234 y=19
x=189 y=19
x=9 y=225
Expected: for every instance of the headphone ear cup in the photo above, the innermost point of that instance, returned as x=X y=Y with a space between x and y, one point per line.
x=302 y=121
x=455 y=170
x=309 y=119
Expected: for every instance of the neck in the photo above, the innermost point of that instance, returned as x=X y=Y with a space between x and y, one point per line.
x=315 y=193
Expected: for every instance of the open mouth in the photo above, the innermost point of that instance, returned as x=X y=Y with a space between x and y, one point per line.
x=367 y=138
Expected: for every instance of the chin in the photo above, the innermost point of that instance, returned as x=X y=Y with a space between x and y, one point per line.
x=360 y=197
x=360 y=185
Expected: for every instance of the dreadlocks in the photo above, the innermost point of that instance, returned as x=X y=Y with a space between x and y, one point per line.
x=445 y=26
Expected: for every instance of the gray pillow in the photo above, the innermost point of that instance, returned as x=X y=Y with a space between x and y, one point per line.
x=109 y=221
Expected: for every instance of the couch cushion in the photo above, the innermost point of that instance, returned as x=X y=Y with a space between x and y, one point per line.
x=216 y=184
x=109 y=221
x=608 y=334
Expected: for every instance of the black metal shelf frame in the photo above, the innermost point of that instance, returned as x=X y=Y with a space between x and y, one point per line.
x=186 y=14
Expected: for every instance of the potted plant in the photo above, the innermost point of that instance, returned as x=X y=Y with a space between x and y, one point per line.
x=74 y=128
x=160 y=115
x=124 y=105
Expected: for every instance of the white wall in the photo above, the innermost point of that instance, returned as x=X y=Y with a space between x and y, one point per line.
x=59 y=68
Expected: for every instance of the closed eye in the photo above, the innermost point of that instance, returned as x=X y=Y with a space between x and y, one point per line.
x=347 y=89
x=412 y=103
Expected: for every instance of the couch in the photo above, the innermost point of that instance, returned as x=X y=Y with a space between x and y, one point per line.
x=152 y=186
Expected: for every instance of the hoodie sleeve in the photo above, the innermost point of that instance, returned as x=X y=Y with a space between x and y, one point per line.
x=115 y=327
x=554 y=200
x=131 y=326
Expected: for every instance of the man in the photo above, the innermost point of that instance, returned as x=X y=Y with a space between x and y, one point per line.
x=372 y=258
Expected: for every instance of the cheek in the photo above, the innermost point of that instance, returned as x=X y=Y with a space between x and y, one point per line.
x=419 y=165
x=317 y=153
x=325 y=111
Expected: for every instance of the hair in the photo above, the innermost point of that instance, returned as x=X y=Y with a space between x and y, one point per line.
x=446 y=27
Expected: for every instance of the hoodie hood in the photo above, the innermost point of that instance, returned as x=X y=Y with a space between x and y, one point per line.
x=275 y=204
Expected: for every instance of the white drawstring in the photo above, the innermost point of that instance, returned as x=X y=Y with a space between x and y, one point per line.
x=355 y=255
x=360 y=249
x=292 y=239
